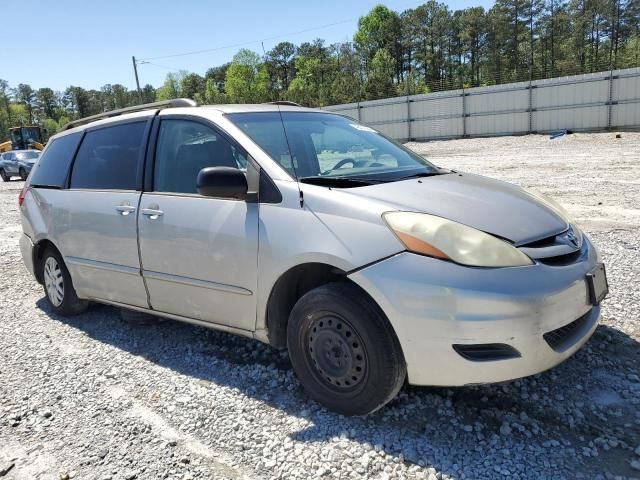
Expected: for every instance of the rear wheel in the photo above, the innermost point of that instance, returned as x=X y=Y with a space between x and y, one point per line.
x=344 y=351
x=4 y=176
x=23 y=174
x=58 y=287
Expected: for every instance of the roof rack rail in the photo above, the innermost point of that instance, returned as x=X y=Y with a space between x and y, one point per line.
x=284 y=102
x=175 y=103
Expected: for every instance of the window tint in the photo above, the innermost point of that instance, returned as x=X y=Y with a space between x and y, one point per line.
x=108 y=158
x=183 y=149
x=51 y=170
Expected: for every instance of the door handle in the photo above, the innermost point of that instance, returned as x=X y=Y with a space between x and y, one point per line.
x=125 y=209
x=152 y=213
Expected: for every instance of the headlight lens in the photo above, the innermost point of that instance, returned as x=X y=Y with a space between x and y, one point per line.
x=441 y=238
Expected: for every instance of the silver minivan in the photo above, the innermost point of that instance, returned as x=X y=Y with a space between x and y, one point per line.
x=311 y=232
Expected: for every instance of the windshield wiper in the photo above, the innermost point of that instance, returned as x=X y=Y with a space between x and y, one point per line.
x=338 y=182
x=420 y=175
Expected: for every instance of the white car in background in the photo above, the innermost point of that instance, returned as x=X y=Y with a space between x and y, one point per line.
x=17 y=163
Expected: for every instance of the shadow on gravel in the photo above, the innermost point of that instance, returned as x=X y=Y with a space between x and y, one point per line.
x=579 y=416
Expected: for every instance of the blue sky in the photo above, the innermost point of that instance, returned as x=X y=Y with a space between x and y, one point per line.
x=90 y=43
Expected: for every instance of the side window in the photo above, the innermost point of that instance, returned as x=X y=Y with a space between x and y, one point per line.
x=108 y=158
x=183 y=149
x=53 y=165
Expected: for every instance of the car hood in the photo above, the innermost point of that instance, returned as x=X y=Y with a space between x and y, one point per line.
x=493 y=206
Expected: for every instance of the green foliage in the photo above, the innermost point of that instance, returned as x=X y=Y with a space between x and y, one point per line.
x=191 y=85
x=379 y=29
x=246 y=80
x=172 y=86
x=51 y=126
x=380 y=78
x=213 y=95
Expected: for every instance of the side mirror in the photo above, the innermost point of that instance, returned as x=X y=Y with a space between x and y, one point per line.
x=222 y=182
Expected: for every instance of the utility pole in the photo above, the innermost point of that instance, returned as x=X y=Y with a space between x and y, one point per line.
x=135 y=71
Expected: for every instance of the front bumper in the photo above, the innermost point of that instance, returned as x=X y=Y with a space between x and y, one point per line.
x=434 y=305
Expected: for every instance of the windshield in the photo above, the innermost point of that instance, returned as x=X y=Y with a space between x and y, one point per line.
x=31 y=134
x=314 y=145
x=32 y=155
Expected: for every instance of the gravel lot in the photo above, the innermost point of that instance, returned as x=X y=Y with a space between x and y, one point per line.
x=93 y=397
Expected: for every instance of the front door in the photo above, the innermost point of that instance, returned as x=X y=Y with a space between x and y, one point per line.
x=11 y=164
x=95 y=219
x=198 y=254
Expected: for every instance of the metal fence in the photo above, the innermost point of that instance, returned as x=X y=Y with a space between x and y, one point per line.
x=590 y=102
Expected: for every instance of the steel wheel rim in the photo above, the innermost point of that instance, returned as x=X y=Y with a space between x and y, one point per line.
x=337 y=353
x=53 y=281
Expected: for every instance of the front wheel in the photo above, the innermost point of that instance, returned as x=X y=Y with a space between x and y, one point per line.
x=58 y=287
x=23 y=174
x=344 y=351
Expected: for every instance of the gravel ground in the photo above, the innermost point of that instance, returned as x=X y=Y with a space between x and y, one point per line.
x=97 y=398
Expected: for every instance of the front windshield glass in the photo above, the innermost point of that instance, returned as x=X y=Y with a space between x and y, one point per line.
x=31 y=155
x=31 y=134
x=312 y=145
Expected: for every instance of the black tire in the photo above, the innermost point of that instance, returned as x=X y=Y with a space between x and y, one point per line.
x=65 y=301
x=357 y=365
x=23 y=174
x=4 y=176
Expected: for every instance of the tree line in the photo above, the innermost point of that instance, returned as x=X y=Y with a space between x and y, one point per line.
x=423 y=49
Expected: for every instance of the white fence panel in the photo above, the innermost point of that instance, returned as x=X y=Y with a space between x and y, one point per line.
x=496 y=100
x=487 y=125
x=577 y=118
x=437 y=128
x=393 y=130
x=595 y=101
x=436 y=105
x=375 y=114
x=626 y=86
x=567 y=92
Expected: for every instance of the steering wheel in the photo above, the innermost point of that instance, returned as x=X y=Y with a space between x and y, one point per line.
x=343 y=162
x=340 y=164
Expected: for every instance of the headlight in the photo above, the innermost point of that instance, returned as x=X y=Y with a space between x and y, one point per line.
x=441 y=238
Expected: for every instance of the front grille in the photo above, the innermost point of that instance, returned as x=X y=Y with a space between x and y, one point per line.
x=561 y=259
x=486 y=352
x=556 y=250
x=562 y=338
x=543 y=242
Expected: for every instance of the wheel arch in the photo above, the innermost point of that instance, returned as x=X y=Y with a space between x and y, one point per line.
x=38 y=251
x=291 y=286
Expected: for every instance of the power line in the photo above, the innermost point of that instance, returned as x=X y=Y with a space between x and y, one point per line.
x=262 y=40
x=145 y=62
x=236 y=45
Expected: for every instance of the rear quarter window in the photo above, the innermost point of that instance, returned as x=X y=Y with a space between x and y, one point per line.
x=109 y=157
x=51 y=170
